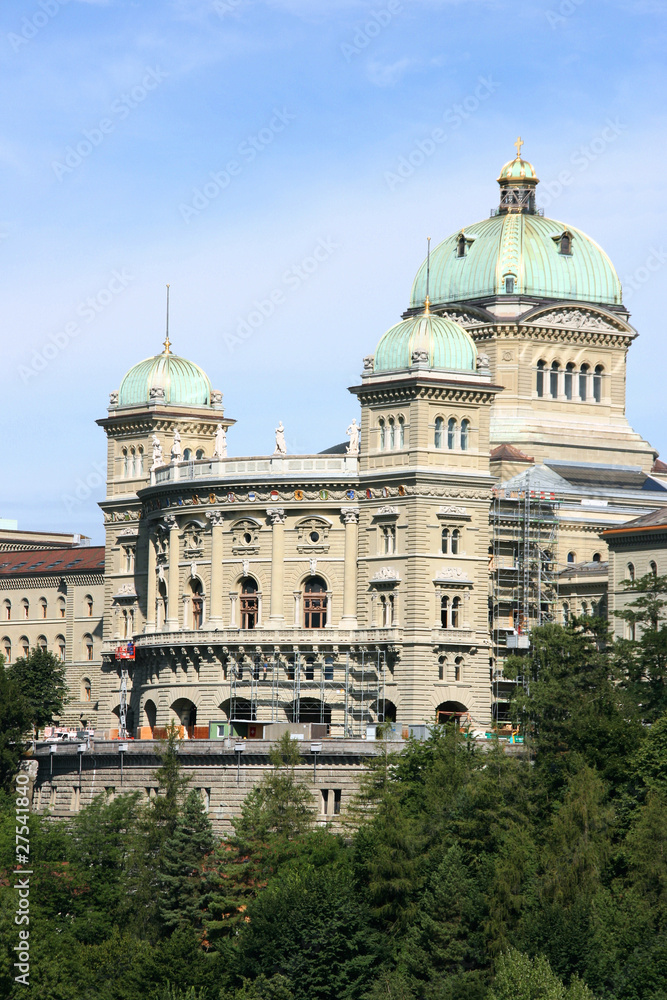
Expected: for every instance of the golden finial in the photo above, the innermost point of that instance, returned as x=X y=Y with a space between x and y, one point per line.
x=519 y=143
x=167 y=342
x=427 y=306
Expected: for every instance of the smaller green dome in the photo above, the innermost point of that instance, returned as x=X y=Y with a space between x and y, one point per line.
x=448 y=345
x=183 y=382
x=518 y=170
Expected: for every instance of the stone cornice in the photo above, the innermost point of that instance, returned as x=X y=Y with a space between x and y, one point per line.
x=127 y=423
x=405 y=391
x=90 y=578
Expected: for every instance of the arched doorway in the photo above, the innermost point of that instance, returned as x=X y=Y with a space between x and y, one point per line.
x=314 y=602
x=150 y=713
x=452 y=711
x=185 y=712
x=309 y=710
x=237 y=709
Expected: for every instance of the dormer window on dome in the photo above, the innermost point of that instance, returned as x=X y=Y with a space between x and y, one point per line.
x=564 y=243
x=463 y=244
x=509 y=282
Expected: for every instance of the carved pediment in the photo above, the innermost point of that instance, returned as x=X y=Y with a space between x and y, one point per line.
x=577 y=318
x=452 y=574
x=387 y=574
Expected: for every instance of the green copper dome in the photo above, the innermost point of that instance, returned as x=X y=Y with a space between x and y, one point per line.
x=526 y=248
x=518 y=252
x=448 y=345
x=184 y=383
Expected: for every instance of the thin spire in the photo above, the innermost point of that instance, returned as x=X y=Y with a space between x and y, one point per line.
x=167 y=342
x=427 y=301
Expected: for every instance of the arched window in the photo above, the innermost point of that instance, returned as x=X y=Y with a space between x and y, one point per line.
x=583 y=382
x=199 y=454
x=197 y=598
x=25 y=605
x=456 y=538
x=597 y=557
x=597 y=383
x=566 y=613
x=42 y=607
x=653 y=568
x=539 y=379
x=61 y=607
x=310 y=668
x=631 y=572
x=126 y=463
x=161 y=604
x=458 y=668
x=445 y=540
x=456 y=608
x=444 y=612
x=187 y=454
x=465 y=434
x=7 y=649
x=509 y=285
x=87 y=646
x=249 y=603
x=24 y=646
x=60 y=646
x=140 y=461
x=565 y=245
x=439 y=424
x=133 y=462
x=572 y=557
x=328 y=668
x=7 y=613
x=567 y=379
x=388 y=539
x=451 y=433
x=315 y=603
x=461 y=246
x=401 y=432
x=41 y=643
x=392 y=434
x=383 y=434
x=584 y=609
x=387 y=608
x=86 y=689
x=88 y=605
x=553 y=379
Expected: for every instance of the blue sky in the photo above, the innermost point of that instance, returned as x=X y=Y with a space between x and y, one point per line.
x=216 y=145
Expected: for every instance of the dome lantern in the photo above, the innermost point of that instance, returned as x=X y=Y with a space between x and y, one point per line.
x=518 y=181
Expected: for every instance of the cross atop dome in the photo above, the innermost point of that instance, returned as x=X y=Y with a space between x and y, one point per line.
x=519 y=143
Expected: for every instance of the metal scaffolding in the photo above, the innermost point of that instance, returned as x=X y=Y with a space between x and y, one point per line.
x=524 y=577
x=346 y=690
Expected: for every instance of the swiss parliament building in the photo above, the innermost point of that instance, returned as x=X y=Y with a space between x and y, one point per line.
x=494 y=484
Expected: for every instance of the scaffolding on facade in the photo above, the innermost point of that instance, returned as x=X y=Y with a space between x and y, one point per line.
x=524 y=577
x=346 y=691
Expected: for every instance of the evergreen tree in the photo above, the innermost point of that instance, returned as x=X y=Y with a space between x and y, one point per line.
x=642 y=661
x=519 y=977
x=181 y=881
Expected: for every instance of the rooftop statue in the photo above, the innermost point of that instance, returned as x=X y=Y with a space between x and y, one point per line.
x=353 y=434
x=176 y=452
x=281 y=447
x=158 y=460
x=220 y=443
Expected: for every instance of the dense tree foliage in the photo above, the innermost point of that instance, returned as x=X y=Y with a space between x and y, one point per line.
x=534 y=872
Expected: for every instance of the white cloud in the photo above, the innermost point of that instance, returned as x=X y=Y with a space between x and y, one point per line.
x=386 y=74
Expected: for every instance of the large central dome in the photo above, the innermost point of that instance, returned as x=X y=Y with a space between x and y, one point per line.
x=519 y=252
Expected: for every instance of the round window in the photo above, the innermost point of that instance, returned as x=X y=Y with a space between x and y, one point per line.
x=247 y=538
x=314 y=536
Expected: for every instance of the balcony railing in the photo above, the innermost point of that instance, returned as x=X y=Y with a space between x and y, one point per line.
x=265 y=636
x=271 y=467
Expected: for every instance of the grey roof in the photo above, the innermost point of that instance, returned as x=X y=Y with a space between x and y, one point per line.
x=584 y=569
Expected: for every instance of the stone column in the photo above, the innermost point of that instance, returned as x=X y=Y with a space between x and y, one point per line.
x=173 y=576
x=217 y=519
x=277 y=516
x=150 y=624
x=351 y=518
